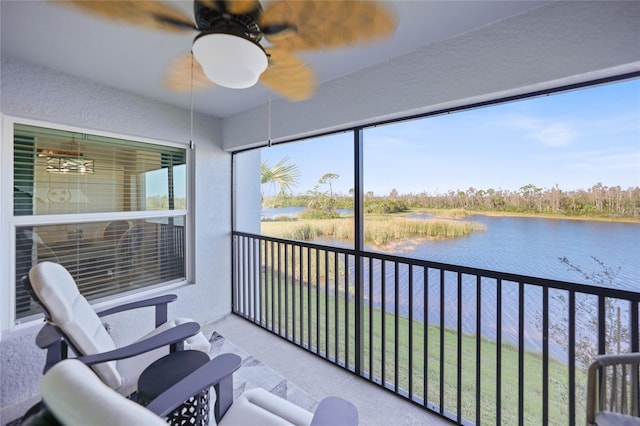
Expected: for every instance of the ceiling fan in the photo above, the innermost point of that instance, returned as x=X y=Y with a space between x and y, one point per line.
x=240 y=42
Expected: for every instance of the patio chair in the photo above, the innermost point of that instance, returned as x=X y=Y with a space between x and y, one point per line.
x=114 y=230
x=73 y=395
x=612 y=390
x=72 y=322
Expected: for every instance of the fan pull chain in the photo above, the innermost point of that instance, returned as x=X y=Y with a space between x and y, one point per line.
x=191 y=112
x=269 y=135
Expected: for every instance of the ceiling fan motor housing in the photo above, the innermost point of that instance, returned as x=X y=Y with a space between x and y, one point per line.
x=220 y=20
x=228 y=47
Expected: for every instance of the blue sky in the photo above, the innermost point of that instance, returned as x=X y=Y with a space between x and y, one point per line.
x=573 y=140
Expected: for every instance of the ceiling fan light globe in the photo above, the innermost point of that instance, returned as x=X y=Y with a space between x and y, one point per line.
x=229 y=60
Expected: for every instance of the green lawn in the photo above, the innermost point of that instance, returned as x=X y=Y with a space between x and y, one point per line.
x=305 y=306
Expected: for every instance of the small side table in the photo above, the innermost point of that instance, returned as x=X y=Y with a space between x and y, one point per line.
x=166 y=372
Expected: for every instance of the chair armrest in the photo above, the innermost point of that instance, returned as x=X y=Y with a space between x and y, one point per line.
x=50 y=339
x=159 y=302
x=335 y=411
x=171 y=336
x=611 y=359
x=47 y=336
x=210 y=374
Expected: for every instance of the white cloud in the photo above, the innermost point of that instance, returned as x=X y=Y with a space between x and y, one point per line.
x=547 y=132
x=555 y=134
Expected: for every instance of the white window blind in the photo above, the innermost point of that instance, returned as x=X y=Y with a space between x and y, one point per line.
x=66 y=173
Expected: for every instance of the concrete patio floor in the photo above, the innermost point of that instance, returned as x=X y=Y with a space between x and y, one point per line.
x=320 y=378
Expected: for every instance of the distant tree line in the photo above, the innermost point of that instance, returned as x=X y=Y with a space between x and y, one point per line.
x=597 y=201
x=161 y=202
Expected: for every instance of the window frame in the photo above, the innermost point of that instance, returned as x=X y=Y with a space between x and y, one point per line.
x=9 y=222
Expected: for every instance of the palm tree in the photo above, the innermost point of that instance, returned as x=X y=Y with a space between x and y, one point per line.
x=283 y=175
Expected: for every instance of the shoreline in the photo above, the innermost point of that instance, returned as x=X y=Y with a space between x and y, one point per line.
x=468 y=213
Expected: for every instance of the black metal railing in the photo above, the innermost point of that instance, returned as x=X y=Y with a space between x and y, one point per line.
x=473 y=345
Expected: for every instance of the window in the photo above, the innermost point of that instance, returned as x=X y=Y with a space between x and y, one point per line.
x=112 y=211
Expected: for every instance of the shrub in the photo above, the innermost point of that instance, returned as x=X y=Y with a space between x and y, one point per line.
x=318 y=214
x=303 y=233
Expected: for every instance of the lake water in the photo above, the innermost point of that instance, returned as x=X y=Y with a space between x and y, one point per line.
x=533 y=246
x=526 y=246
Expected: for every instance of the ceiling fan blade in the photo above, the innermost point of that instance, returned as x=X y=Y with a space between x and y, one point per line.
x=149 y=14
x=322 y=24
x=241 y=7
x=288 y=76
x=233 y=7
x=211 y=4
x=179 y=77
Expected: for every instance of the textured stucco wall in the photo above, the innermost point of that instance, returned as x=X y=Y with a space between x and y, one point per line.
x=37 y=93
x=557 y=44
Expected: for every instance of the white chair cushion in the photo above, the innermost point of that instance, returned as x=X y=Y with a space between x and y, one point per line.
x=77 y=397
x=71 y=312
x=198 y=342
x=260 y=407
x=608 y=418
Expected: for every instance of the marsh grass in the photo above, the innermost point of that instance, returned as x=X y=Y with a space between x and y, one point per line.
x=379 y=230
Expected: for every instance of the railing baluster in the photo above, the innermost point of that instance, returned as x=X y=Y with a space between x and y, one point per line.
x=245 y=284
x=635 y=385
x=371 y=298
x=236 y=290
x=545 y=355
x=273 y=294
x=499 y=351
x=264 y=289
x=602 y=339
x=279 y=290
x=317 y=301
x=442 y=318
x=478 y=346
x=459 y=349
x=410 y=372
x=425 y=337
x=252 y=276
x=286 y=292
x=301 y=288
x=396 y=328
x=309 y=272
x=383 y=281
x=572 y=358
x=326 y=306
x=521 y=353
x=346 y=311
x=336 y=308
x=293 y=292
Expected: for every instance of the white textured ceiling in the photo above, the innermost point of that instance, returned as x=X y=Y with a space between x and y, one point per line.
x=134 y=60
